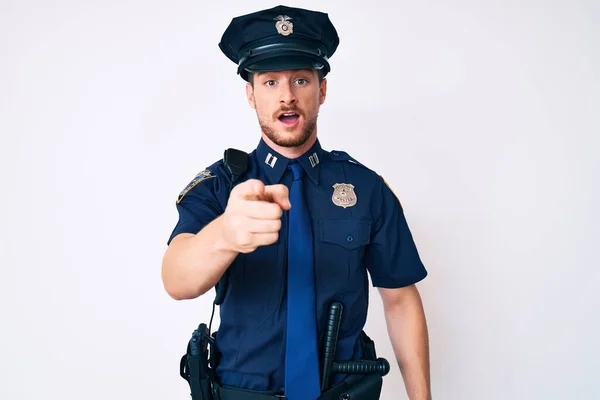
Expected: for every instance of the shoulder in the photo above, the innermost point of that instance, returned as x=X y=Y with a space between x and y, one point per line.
x=362 y=172
x=342 y=156
x=207 y=180
x=352 y=165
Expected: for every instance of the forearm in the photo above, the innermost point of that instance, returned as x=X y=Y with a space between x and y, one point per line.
x=193 y=264
x=407 y=329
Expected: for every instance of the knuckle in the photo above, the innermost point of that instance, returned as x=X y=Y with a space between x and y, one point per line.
x=231 y=208
x=237 y=190
x=255 y=185
x=243 y=238
x=276 y=211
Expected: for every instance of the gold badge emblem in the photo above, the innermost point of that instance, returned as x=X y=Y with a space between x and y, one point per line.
x=343 y=195
x=283 y=25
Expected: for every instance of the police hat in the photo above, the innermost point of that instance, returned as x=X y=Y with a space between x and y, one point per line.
x=280 y=38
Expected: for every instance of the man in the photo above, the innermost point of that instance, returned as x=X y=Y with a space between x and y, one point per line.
x=300 y=230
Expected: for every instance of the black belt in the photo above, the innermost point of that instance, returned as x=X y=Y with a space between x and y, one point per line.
x=229 y=393
x=363 y=387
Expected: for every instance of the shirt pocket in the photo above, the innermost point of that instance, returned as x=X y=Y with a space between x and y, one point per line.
x=340 y=251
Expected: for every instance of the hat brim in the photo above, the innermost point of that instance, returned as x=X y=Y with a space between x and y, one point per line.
x=284 y=62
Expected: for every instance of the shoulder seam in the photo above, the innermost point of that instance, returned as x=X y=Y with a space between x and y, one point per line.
x=338 y=155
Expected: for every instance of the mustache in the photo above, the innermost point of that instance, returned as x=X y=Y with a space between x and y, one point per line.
x=283 y=109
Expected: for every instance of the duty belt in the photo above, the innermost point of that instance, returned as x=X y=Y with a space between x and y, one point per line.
x=363 y=380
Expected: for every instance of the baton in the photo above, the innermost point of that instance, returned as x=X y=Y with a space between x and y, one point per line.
x=331 y=338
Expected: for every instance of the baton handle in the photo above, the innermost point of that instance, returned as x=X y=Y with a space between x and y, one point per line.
x=331 y=338
x=381 y=366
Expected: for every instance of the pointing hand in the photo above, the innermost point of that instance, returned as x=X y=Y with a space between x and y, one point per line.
x=253 y=215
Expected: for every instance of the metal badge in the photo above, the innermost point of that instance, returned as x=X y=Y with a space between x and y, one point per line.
x=283 y=25
x=343 y=195
x=314 y=160
x=271 y=160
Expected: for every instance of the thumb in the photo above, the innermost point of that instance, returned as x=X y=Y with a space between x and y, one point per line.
x=278 y=194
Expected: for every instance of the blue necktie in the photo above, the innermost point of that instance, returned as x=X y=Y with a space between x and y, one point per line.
x=302 y=359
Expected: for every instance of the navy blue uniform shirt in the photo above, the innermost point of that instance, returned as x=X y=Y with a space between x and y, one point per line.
x=370 y=236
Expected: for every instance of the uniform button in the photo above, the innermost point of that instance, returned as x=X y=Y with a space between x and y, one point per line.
x=350 y=239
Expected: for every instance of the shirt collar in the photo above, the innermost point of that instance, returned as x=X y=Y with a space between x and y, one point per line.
x=274 y=164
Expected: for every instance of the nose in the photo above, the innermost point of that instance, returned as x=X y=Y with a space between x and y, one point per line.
x=287 y=96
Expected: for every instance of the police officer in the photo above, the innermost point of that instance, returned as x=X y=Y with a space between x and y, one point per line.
x=301 y=228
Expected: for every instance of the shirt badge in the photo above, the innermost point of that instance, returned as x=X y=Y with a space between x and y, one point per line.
x=202 y=175
x=343 y=195
x=283 y=25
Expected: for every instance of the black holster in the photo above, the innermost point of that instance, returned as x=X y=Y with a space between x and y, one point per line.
x=196 y=367
x=358 y=387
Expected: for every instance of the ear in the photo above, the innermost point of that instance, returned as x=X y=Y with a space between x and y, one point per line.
x=250 y=95
x=322 y=91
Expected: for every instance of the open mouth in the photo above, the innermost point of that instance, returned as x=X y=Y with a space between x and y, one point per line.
x=289 y=118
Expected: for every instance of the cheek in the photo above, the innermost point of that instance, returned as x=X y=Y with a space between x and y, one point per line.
x=314 y=100
x=313 y=103
x=262 y=110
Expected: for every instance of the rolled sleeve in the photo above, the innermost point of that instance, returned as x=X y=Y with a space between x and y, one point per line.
x=392 y=257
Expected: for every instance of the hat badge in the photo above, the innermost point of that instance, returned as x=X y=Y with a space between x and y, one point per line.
x=283 y=25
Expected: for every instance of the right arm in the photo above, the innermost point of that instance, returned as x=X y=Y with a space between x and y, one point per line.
x=194 y=263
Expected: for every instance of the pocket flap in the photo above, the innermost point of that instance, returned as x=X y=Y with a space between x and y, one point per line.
x=349 y=234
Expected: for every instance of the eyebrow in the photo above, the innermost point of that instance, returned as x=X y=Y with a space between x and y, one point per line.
x=302 y=72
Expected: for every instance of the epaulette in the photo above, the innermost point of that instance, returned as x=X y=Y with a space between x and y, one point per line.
x=203 y=175
x=338 y=155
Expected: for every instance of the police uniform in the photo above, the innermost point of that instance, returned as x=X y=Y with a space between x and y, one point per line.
x=358 y=225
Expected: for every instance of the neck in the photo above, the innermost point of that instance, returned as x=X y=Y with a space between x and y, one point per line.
x=292 y=152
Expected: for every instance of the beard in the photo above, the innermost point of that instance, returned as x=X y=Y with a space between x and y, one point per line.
x=285 y=139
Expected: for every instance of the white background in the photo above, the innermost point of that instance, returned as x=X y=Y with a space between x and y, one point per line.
x=483 y=117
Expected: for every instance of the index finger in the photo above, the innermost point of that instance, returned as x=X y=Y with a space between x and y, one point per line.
x=278 y=194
